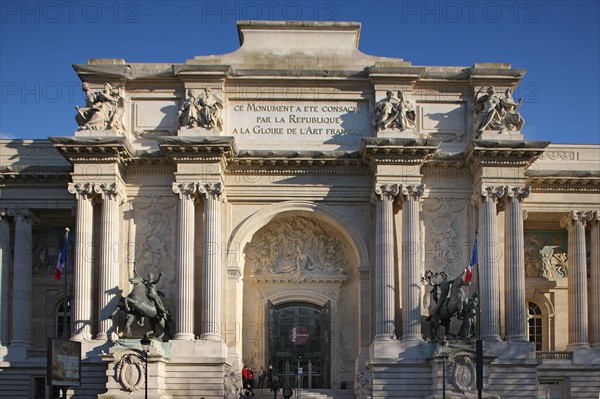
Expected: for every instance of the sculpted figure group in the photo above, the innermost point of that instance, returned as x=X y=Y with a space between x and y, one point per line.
x=103 y=109
x=205 y=111
x=449 y=300
x=394 y=112
x=144 y=300
x=493 y=112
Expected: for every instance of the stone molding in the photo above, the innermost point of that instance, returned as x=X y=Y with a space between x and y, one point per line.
x=187 y=190
x=488 y=193
x=214 y=190
x=23 y=215
x=577 y=216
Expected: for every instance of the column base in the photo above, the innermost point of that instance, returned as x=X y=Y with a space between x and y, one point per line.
x=516 y=338
x=211 y=337
x=412 y=338
x=384 y=337
x=184 y=337
x=578 y=345
x=491 y=338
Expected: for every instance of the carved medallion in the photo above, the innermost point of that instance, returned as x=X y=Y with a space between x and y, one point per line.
x=129 y=372
x=462 y=373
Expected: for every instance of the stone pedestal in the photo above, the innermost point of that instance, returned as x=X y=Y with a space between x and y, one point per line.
x=126 y=370
x=198 y=131
x=503 y=136
x=97 y=133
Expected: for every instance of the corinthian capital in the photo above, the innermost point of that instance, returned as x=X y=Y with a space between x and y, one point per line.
x=576 y=217
x=85 y=190
x=412 y=191
x=516 y=193
x=488 y=193
x=23 y=215
x=110 y=191
x=212 y=189
x=185 y=190
x=385 y=191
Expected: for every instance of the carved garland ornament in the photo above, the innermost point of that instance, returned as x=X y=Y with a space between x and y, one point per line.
x=129 y=372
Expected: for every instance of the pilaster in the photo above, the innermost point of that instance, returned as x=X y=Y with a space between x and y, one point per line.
x=22 y=277
x=595 y=279
x=212 y=302
x=112 y=197
x=514 y=259
x=489 y=248
x=4 y=275
x=411 y=262
x=578 y=305
x=383 y=197
x=82 y=289
x=184 y=322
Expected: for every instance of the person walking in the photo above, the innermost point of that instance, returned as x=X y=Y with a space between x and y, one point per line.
x=270 y=375
x=287 y=391
x=275 y=386
x=261 y=377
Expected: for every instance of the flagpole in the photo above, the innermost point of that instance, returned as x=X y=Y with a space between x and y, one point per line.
x=66 y=334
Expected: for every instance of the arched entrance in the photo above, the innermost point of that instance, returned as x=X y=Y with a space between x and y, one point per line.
x=299 y=343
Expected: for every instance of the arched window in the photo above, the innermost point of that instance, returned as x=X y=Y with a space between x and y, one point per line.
x=535 y=322
x=62 y=319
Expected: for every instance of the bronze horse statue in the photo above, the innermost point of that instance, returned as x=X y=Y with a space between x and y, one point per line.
x=450 y=304
x=138 y=304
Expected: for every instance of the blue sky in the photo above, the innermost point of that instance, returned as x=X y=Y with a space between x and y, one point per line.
x=558 y=42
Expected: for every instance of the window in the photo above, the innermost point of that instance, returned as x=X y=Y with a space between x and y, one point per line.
x=62 y=319
x=535 y=323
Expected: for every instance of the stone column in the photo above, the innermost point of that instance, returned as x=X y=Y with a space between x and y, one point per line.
x=383 y=197
x=514 y=258
x=4 y=275
x=578 y=306
x=108 y=288
x=184 y=321
x=489 y=290
x=212 y=270
x=82 y=284
x=411 y=263
x=595 y=280
x=22 y=277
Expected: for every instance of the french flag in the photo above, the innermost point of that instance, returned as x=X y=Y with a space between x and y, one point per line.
x=62 y=258
x=472 y=262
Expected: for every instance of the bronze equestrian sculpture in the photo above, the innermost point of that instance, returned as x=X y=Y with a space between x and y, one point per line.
x=144 y=301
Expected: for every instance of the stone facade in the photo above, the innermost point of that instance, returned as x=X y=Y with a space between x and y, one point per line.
x=293 y=194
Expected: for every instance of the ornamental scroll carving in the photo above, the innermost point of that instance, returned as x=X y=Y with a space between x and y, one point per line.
x=297 y=249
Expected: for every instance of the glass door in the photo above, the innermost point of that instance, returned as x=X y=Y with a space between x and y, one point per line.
x=299 y=343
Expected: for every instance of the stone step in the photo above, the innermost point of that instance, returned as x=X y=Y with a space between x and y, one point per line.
x=304 y=394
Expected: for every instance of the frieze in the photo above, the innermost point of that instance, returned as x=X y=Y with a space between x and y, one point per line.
x=558 y=155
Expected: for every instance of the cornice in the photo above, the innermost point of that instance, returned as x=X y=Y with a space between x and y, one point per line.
x=402 y=151
x=505 y=153
x=563 y=181
x=194 y=149
x=94 y=149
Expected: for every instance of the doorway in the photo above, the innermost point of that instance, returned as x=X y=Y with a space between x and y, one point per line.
x=299 y=343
